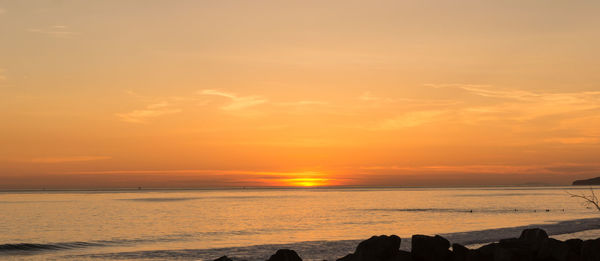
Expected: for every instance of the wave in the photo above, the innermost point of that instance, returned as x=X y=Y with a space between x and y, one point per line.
x=331 y=250
x=309 y=250
x=18 y=248
x=416 y=209
x=169 y=199
x=157 y=199
x=41 y=247
x=503 y=194
x=454 y=210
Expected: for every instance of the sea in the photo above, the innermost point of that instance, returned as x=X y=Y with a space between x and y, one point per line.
x=252 y=223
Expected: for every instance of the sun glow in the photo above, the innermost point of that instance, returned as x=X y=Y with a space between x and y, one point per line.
x=306 y=182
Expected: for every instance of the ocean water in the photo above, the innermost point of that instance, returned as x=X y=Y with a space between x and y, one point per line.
x=253 y=223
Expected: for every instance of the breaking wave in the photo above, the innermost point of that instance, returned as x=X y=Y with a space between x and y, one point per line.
x=331 y=250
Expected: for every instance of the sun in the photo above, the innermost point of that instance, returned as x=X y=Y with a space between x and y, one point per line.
x=306 y=182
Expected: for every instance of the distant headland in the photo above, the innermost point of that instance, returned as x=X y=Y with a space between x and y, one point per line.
x=592 y=181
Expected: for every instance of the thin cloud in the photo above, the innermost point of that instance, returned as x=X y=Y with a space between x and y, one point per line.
x=522 y=95
x=410 y=119
x=67 y=159
x=55 y=30
x=2 y=75
x=367 y=96
x=261 y=178
x=575 y=140
x=206 y=171
x=302 y=103
x=571 y=116
x=2 y=11
x=558 y=168
x=237 y=102
x=151 y=111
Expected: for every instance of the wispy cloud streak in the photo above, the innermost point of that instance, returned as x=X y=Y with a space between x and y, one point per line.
x=67 y=159
x=237 y=102
x=55 y=30
x=151 y=111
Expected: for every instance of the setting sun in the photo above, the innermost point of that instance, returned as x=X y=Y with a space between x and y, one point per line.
x=307 y=182
x=193 y=130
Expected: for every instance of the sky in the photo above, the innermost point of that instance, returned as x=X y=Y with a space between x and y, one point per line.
x=115 y=94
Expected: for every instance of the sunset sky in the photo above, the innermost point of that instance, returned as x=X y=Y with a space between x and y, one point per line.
x=98 y=94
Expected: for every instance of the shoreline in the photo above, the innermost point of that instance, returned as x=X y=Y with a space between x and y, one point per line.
x=311 y=250
x=515 y=243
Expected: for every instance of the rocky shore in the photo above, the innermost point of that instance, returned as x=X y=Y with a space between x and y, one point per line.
x=532 y=245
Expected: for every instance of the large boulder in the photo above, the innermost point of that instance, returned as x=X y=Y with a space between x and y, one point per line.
x=487 y=252
x=402 y=256
x=484 y=253
x=590 y=250
x=553 y=250
x=427 y=248
x=459 y=252
x=513 y=249
x=574 y=249
x=534 y=237
x=285 y=255
x=377 y=248
x=223 y=258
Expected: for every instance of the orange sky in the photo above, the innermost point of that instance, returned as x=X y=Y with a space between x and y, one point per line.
x=298 y=93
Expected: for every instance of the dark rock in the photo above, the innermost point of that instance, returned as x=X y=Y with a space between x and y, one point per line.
x=427 y=248
x=553 y=250
x=590 y=250
x=376 y=248
x=484 y=253
x=574 y=249
x=285 y=255
x=534 y=237
x=459 y=252
x=402 y=256
x=348 y=257
x=592 y=181
x=574 y=243
x=223 y=258
x=513 y=249
x=513 y=243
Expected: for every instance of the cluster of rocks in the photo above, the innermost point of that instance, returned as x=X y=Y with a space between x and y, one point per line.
x=533 y=245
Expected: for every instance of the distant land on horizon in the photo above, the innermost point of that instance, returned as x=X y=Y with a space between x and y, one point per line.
x=592 y=181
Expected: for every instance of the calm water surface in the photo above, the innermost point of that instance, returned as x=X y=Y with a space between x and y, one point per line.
x=151 y=224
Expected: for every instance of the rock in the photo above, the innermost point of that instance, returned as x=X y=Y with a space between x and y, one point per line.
x=285 y=255
x=484 y=253
x=534 y=237
x=592 y=181
x=223 y=258
x=574 y=249
x=574 y=243
x=459 y=252
x=348 y=257
x=553 y=250
x=513 y=249
x=376 y=248
x=402 y=256
x=590 y=250
x=427 y=248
